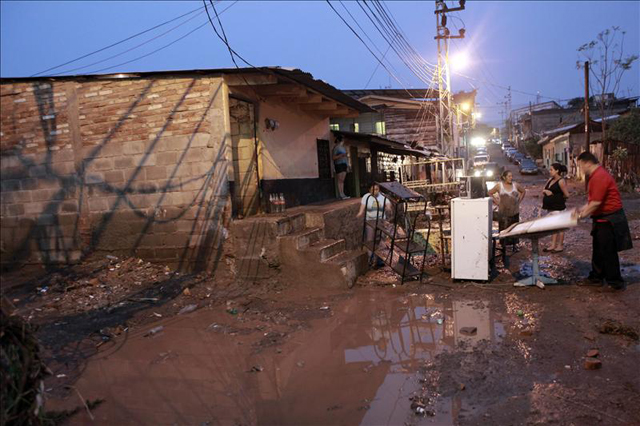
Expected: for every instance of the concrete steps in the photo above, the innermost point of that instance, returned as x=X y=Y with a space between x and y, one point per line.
x=317 y=246
x=326 y=248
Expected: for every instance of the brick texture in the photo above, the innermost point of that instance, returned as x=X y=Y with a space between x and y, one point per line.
x=125 y=166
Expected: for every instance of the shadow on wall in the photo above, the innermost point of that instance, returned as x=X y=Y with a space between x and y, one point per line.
x=138 y=220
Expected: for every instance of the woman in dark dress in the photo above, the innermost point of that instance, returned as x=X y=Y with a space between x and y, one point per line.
x=554 y=198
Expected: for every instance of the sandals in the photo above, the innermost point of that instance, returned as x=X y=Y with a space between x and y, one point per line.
x=548 y=250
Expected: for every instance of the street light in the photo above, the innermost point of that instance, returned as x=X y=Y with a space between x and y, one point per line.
x=466 y=106
x=460 y=61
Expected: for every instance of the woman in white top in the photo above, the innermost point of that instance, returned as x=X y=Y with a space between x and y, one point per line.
x=376 y=207
x=508 y=195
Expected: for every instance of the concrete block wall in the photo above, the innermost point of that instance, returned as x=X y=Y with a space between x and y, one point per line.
x=134 y=166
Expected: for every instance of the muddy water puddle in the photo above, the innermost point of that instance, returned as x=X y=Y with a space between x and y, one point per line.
x=358 y=365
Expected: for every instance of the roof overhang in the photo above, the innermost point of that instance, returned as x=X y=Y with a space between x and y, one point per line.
x=291 y=85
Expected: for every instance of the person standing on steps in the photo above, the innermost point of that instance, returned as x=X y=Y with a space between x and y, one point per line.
x=610 y=230
x=554 y=198
x=341 y=164
x=509 y=195
x=375 y=209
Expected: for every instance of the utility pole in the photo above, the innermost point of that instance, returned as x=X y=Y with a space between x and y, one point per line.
x=510 y=129
x=446 y=122
x=587 y=119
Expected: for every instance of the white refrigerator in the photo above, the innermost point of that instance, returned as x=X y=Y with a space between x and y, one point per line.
x=471 y=227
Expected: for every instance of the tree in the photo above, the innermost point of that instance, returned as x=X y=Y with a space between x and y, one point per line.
x=607 y=66
x=627 y=128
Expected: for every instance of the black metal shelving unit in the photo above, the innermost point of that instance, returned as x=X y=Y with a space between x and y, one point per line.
x=401 y=250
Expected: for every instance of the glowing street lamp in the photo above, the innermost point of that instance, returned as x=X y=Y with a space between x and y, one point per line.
x=466 y=106
x=460 y=61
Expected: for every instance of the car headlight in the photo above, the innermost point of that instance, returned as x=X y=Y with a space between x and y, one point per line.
x=489 y=173
x=476 y=173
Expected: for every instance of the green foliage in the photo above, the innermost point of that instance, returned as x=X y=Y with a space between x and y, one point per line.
x=627 y=128
x=533 y=149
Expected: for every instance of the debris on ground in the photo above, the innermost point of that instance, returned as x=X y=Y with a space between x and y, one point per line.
x=592 y=364
x=187 y=309
x=593 y=353
x=256 y=369
x=616 y=328
x=22 y=396
x=154 y=331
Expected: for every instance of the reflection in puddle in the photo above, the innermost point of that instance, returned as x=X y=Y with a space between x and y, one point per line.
x=358 y=366
x=362 y=363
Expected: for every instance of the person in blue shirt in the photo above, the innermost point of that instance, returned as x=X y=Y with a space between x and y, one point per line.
x=341 y=164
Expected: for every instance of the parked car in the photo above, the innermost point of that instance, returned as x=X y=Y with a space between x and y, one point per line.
x=517 y=157
x=509 y=153
x=528 y=167
x=506 y=146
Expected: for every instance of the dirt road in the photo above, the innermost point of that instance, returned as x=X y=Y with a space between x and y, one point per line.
x=433 y=353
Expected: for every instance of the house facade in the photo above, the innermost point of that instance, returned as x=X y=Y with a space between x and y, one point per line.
x=156 y=164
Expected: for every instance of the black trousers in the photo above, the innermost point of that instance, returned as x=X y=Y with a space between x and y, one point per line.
x=605 y=263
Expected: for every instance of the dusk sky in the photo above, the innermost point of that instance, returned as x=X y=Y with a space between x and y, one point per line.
x=530 y=46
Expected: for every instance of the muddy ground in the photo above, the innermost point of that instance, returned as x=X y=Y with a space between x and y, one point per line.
x=436 y=352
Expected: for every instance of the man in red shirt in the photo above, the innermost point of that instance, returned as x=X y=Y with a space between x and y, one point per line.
x=610 y=230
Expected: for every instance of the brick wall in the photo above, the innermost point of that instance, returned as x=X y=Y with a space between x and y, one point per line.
x=124 y=166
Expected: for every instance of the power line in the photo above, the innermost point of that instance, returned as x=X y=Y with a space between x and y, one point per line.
x=117 y=43
x=132 y=48
x=365 y=44
x=161 y=48
x=372 y=43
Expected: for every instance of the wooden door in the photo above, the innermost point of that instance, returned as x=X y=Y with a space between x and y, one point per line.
x=246 y=195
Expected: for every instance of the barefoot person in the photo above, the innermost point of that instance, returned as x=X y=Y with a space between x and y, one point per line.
x=554 y=198
x=509 y=195
x=610 y=230
x=340 y=163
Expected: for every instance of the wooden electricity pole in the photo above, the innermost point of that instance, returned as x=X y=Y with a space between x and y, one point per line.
x=587 y=120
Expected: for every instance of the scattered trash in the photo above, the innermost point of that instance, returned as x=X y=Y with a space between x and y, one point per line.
x=144 y=299
x=278 y=351
x=520 y=313
x=592 y=364
x=568 y=367
x=232 y=311
x=526 y=332
x=154 y=331
x=593 y=353
x=256 y=369
x=469 y=331
x=461 y=386
x=187 y=309
x=420 y=411
x=324 y=308
x=300 y=364
x=60 y=376
x=111 y=257
x=617 y=328
x=186 y=292
x=157 y=315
